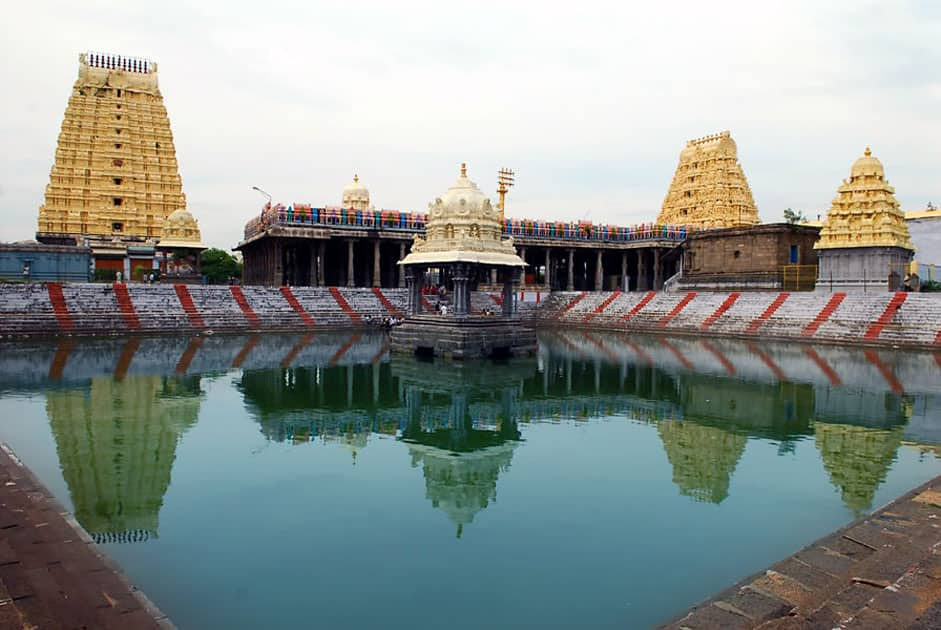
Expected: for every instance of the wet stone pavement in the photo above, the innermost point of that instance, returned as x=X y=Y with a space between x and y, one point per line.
x=881 y=571
x=51 y=573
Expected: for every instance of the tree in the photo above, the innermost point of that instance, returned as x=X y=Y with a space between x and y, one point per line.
x=219 y=265
x=793 y=217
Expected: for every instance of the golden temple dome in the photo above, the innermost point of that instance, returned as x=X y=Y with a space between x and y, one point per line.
x=463 y=226
x=355 y=195
x=867 y=165
x=181 y=229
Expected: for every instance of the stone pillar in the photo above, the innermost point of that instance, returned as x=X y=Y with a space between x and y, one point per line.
x=599 y=272
x=625 y=283
x=349 y=385
x=414 y=281
x=523 y=256
x=510 y=279
x=321 y=263
x=376 y=266
x=493 y=277
x=278 y=266
x=312 y=272
x=349 y=263
x=460 y=290
x=548 y=267
x=375 y=381
x=401 y=267
x=657 y=271
x=570 y=284
x=642 y=271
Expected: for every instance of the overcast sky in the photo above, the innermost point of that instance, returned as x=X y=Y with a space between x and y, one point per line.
x=589 y=102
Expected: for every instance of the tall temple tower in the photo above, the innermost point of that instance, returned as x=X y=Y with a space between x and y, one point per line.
x=709 y=188
x=115 y=178
x=864 y=243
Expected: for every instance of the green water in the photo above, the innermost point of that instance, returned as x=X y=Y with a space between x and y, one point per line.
x=318 y=482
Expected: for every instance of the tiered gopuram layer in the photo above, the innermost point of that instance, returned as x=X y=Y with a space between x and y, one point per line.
x=865 y=212
x=115 y=171
x=709 y=188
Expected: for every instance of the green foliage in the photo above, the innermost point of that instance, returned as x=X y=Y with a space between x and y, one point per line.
x=219 y=266
x=793 y=217
x=931 y=287
x=106 y=275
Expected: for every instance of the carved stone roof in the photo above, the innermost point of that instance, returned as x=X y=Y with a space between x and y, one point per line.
x=865 y=212
x=355 y=195
x=463 y=226
x=709 y=188
x=181 y=229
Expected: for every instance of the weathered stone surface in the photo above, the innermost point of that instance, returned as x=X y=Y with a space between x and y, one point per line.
x=885 y=579
x=472 y=337
x=48 y=578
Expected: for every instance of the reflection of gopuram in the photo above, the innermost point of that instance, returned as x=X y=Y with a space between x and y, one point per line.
x=461 y=459
x=857 y=459
x=116 y=442
x=703 y=458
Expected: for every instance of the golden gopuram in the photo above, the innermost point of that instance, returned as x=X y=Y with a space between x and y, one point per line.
x=115 y=179
x=709 y=189
x=864 y=242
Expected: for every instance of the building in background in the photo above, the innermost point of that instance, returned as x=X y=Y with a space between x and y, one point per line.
x=115 y=178
x=29 y=261
x=768 y=257
x=864 y=243
x=925 y=229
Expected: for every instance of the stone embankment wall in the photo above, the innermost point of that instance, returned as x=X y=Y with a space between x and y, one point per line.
x=878 y=319
x=901 y=319
x=54 y=308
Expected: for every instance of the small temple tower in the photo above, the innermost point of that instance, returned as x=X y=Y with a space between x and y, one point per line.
x=463 y=241
x=355 y=195
x=115 y=178
x=864 y=243
x=709 y=189
x=180 y=248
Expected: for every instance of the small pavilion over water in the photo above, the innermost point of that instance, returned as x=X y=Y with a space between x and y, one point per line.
x=463 y=242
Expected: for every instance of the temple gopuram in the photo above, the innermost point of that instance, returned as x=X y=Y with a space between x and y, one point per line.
x=115 y=179
x=864 y=242
x=709 y=189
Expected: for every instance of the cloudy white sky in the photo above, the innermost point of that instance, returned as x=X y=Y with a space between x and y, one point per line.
x=589 y=102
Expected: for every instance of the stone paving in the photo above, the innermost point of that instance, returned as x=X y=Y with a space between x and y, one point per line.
x=51 y=573
x=881 y=571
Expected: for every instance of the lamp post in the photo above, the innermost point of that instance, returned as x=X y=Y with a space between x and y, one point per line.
x=263 y=192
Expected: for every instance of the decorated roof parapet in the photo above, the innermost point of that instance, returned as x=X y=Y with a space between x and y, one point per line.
x=298 y=214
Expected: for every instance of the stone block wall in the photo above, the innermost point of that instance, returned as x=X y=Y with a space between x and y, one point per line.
x=900 y=319
x=39 y=309
x=91 y=309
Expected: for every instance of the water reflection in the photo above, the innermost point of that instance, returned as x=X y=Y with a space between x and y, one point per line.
x=119 y=407
x=116 y=441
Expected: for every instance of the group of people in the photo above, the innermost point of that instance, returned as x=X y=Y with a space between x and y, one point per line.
x=383 y=322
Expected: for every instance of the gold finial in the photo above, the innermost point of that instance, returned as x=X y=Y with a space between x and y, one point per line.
x=356 y=178
x=463 y=169
x=868 y=152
